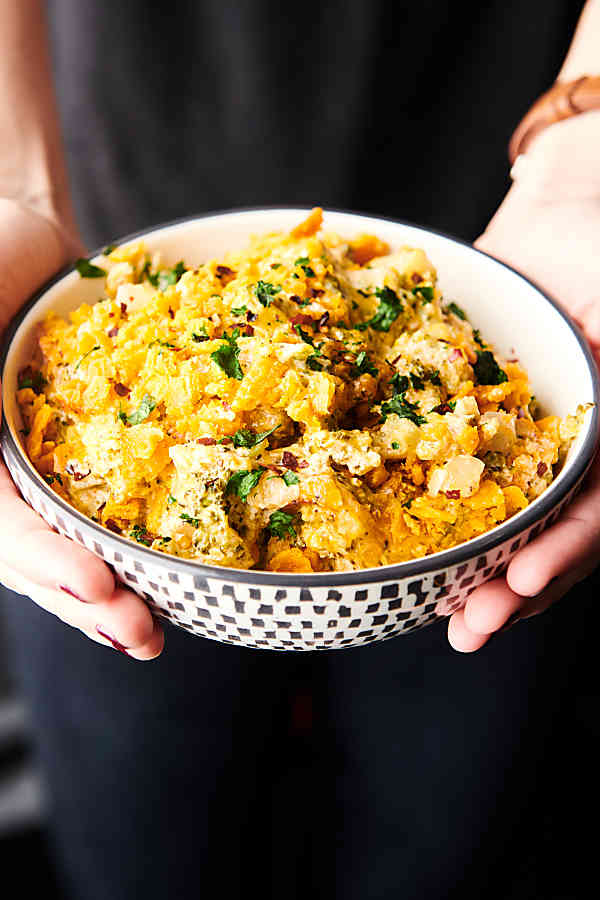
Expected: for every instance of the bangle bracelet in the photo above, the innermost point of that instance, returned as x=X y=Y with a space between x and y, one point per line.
x=563 y=100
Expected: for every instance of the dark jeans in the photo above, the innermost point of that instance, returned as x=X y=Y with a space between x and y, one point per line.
x=398 y=770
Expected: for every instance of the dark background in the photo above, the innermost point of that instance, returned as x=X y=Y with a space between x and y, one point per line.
x=394 y=108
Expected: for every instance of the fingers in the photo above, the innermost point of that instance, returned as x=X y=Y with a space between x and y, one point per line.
x=123 y=621
x=572 y=544
x=461 y=638
x=30 y=548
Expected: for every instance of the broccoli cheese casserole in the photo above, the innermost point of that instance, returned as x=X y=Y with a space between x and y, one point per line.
x=308 y=404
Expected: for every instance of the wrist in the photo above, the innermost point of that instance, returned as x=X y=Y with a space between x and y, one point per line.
x=562 y=163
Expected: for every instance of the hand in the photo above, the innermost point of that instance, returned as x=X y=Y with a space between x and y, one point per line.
x=58 y=574
x=548 y=227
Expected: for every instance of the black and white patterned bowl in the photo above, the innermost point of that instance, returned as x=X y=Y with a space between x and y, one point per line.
x=329 y=610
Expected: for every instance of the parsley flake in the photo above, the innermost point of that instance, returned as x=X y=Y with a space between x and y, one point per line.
x=403 y=408
x=245 y=437
x=265 y=291
x=290 y=477
x=142 y=412
x=390 y=307
x=243 y=481
x=304 y=263
x=165 y=278
x=226 y=356
x=426 y=292
x=456 y=310
x=85 y=355
x=364 y=366
x=281 y=524
x=195 y=523
x=88 y=270
x=487 y=370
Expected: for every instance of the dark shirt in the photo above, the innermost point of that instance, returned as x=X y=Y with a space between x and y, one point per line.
x=404 y=109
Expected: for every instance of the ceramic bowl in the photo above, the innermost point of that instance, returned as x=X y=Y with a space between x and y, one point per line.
x=324 y=611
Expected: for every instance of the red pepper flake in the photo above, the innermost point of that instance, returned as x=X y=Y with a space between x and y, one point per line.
x=456 y=354
x=224 y=272
x=317 y=292
x=251 y=316
x=225 y=440
x=452 y=495
x=415 y=278
x=113 y=332
x=515 y=359
x=323 y=320
x=274 y=469
x=123 y=309
x=112 y=526
x=171 y=313
x=207 y=441
x=110 y=315
x=303 y=319
x=248 y=330
x=289 y=460
x=302 y=464
x=295 y=298
x=75 y=474
x=542 y=469
x=443 y=408
x=121 y=390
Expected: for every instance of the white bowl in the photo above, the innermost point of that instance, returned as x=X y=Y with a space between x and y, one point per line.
x=322 y=611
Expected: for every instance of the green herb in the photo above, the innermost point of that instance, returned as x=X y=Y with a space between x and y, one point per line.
x=164 y=540
x=426 y=292
x=275 y=265
x=305 y=336
x=487 y=370
x=88 y=270
x=162 y=344
x=50 y=479
x=434 y=377
x=403 y=408
x=407 y=503
x=364 y=366
x=239 y=310
x=171 y=499
x=109 y=249
x=290 y=477
x=281 y=524
x=243 y=481
x=477 y=337
x=97 y=347
x=165 y=278
x=245 y=437
x=303 y=262
x=33 y=380
x=139 y=534
x=454 y=308
x=452 y=405
x=313 y=362
x=303 y=302
x=400 y=383
x=142 y=412
x=390 y=307
x=195 y=523
x=226 y=356
x=265 y=291
x=395 y=445
x=201 y=334
x=494 y=460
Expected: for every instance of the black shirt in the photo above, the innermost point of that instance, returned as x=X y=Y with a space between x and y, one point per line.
x=403 y=109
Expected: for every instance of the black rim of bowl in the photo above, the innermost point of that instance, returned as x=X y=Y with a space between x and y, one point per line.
x=461 y=553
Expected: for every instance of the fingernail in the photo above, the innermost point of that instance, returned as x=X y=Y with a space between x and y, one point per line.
x=71 y=593
x=116 y=644
x=512 y=620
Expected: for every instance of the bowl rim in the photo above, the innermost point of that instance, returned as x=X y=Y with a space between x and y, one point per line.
x=443 y=559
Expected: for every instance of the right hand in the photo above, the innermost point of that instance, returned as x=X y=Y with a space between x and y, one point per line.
x=58 y=574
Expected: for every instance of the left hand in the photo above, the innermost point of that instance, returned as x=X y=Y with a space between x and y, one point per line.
x=548 y=227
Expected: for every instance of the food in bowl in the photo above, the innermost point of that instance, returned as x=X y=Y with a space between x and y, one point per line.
x=308 y=404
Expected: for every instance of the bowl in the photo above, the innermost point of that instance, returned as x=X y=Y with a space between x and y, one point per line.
x=324 y=611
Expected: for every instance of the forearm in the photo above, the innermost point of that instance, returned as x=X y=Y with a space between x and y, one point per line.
x=32 y=164
x=583 y=57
